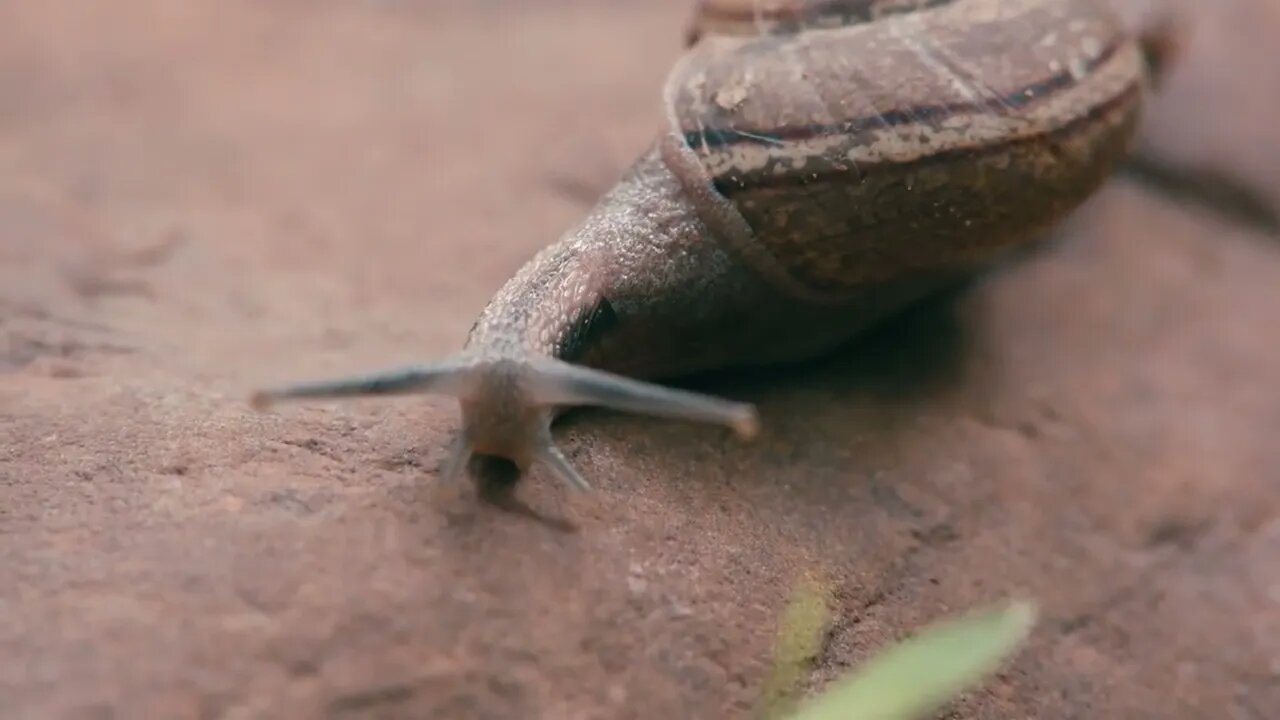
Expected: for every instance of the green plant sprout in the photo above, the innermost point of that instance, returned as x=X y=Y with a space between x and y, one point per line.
x=917 y=676
x=801 y=631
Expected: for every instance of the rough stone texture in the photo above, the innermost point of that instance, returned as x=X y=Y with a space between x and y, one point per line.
x=196 y=198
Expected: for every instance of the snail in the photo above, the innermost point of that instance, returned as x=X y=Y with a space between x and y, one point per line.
x=825 y=163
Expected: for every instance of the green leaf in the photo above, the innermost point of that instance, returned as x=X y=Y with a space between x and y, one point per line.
x=799 y=640
x=919 y=675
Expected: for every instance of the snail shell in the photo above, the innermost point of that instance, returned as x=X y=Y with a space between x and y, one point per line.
x=824 y=164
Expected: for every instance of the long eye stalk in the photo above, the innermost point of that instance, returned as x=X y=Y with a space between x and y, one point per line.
x=544 y=382
x=445 y=378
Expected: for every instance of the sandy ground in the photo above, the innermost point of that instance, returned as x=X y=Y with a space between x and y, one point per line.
x=197 y=198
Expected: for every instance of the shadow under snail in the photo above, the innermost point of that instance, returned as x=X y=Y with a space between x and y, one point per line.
x=824 y=164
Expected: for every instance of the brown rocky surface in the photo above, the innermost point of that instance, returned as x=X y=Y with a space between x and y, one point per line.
x=196 y=198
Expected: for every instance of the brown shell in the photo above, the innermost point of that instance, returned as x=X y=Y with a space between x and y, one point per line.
x=761 y=17
x=926 y=140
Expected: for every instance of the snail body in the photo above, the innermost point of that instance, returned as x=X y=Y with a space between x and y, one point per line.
x=824 y=164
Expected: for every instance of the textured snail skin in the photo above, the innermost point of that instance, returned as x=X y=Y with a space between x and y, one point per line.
x=824 y=164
